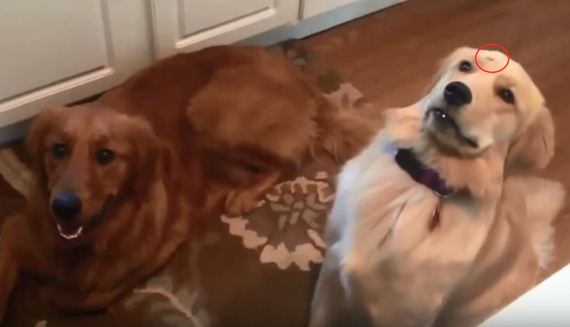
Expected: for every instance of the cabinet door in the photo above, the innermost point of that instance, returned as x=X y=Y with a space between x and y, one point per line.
x=185 y=25
x=62 y=51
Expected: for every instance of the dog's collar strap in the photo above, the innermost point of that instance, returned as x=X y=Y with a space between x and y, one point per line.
x=409 y=162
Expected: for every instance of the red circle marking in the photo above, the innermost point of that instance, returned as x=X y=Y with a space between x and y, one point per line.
x=489 y=45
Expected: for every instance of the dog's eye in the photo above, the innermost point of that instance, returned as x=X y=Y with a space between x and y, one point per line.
x=104 y=156
x=59 y=151
x=253 y=169
x=507 y=95
x=465 y=66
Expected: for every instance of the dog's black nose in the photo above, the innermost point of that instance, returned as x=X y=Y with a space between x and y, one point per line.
x=457 y=94
x=66 y=206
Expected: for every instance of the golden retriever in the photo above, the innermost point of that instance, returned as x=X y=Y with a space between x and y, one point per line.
x=121 y=181
x=428 y=227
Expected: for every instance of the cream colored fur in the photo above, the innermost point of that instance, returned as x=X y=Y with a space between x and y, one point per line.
x=385 y=267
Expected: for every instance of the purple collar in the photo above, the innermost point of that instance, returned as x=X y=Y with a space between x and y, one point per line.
x=409 y=162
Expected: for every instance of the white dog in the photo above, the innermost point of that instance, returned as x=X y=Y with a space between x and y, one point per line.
x=427 y=228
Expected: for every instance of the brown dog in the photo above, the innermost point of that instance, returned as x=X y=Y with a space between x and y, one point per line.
x=120 y=180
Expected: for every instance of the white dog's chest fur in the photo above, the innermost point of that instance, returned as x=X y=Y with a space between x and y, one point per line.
x=380 y=234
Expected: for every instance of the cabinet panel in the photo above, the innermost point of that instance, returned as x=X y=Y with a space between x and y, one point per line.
x=42 y=42
x=198 y=14
x=186 y=25
x=55 y=52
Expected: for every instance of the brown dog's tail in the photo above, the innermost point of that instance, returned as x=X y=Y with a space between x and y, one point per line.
x=343 y=133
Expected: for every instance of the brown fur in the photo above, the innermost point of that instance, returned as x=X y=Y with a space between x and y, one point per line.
x=254 y=114
x=189 y=132
x=135 y=237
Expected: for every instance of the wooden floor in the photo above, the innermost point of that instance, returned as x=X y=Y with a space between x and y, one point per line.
x=391 y=55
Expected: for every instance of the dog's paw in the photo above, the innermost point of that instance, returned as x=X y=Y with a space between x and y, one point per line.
x=240 y=202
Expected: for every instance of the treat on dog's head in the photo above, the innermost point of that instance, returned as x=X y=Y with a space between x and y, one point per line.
x=475 y=105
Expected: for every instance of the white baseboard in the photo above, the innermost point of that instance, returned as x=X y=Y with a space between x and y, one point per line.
x=320 y=22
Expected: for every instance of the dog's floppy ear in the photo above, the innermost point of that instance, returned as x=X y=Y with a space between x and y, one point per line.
x=403 y=125
x=145 y=155
x=534 y=148
x=35 y=138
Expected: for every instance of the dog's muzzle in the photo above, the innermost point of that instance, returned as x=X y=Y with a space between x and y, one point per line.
x=444 y=119
x=457 y=94
x=69 y=228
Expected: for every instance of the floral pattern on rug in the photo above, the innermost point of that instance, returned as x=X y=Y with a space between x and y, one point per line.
x=301 y=203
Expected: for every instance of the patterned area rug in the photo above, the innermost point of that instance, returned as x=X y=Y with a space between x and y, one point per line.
x=255 y=270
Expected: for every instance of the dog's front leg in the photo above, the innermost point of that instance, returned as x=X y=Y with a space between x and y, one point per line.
x=417 y=307
x=8 y=277
x=327 y=297
x=332 y=306
x=9 y=263
x=240 y=201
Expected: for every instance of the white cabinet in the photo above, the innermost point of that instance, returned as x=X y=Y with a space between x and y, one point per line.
x=64 y=50
x=185 y=25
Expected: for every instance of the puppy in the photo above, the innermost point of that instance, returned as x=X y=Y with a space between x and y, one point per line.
x=121 y=181
x=427 y=229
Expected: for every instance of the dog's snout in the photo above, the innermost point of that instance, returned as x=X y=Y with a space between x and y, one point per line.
x=66 y=206
x=457 y=94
